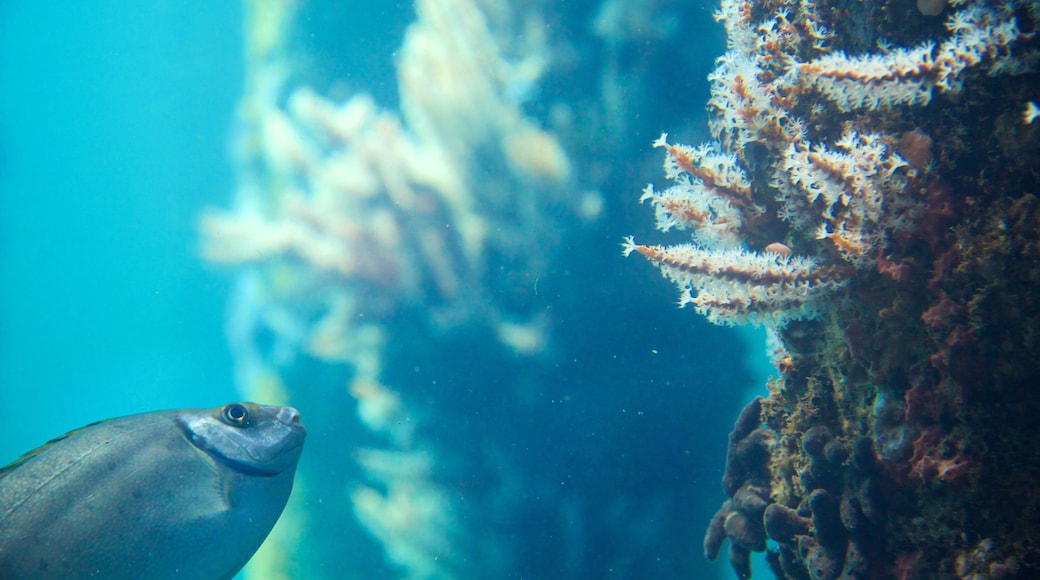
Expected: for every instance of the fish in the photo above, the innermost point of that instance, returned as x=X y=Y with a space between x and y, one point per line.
x=187 y=494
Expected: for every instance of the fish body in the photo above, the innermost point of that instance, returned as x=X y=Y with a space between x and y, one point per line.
x=188 y=494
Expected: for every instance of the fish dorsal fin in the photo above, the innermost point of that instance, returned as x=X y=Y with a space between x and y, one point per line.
x=5 y=470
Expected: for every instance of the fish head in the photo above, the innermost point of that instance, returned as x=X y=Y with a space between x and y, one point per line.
x=247 y=437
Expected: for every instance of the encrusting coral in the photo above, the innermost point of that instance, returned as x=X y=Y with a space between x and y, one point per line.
x=875 y=206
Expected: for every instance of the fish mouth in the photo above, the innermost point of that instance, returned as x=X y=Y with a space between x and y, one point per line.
x=289 y=417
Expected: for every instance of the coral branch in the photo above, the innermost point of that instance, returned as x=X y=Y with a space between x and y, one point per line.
x=711 y=196
x=739 y=287
x=907 y=76
x=860 y=185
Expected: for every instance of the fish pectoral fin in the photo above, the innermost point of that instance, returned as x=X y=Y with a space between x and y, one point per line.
x=209 y=496
x=227 y=491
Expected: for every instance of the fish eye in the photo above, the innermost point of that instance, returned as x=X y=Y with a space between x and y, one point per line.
x=235 y=414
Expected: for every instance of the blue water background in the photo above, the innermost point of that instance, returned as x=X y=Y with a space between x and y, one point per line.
x=116 y=120
x=114 y=124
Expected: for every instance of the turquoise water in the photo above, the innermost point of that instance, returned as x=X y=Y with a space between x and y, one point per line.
x=114 y=123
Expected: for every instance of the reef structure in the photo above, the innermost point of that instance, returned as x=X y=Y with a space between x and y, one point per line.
x=870 y=197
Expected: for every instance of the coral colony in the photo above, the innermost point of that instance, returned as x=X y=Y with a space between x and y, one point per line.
x=873 y=205
x=855 y=193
